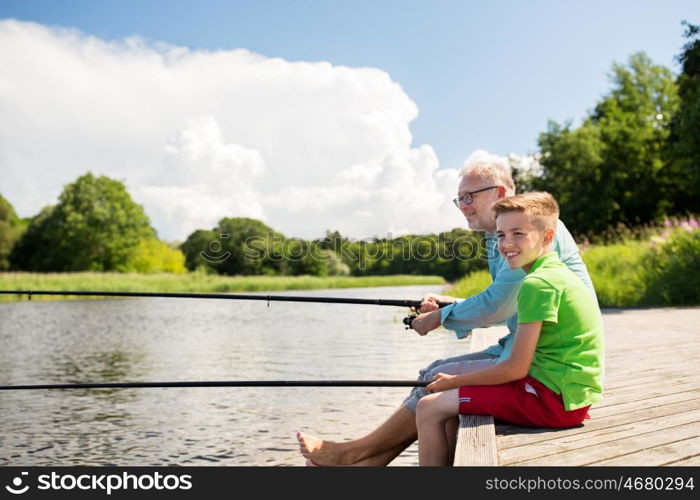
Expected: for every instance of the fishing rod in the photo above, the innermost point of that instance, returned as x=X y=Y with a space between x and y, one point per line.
x=224 y=383
x=229 y=296
x=234 y=296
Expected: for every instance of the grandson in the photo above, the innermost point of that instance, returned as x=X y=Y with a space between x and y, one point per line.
x=555 y=369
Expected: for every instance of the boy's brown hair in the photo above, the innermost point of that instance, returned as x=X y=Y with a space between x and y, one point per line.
x=540 y=207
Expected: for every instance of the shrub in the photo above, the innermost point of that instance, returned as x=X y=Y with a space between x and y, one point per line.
x=672 y=272
x=155 y=256
x=616 y=272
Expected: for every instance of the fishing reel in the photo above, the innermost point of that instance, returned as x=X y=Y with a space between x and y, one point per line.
x=408 y=321
x=415 y=307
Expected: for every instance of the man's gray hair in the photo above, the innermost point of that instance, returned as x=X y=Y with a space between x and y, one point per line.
x=490 y=166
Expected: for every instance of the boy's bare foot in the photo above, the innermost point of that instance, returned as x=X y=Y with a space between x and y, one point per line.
x=320 y=452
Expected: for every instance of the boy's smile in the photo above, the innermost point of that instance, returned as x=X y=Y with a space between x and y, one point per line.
x=520 y=241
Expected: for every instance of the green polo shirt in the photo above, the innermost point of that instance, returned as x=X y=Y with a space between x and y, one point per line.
x=569 y=354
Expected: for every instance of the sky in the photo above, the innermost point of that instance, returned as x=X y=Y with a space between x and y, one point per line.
x=309 y=115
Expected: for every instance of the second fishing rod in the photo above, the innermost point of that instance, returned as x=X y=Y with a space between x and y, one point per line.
x=232 y=296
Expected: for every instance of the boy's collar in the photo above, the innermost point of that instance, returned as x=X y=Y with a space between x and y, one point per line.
x=546 y=258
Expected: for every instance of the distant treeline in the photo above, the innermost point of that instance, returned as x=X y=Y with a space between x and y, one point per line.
x=96 y=226
x=247 y=246
x=633 y=161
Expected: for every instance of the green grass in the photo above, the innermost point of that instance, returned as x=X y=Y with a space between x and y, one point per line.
x=193 y=282
x=471 y=284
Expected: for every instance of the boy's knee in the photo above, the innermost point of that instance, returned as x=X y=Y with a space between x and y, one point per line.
x=426 y=407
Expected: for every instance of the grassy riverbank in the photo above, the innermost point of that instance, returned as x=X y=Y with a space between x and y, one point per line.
x=193 y=282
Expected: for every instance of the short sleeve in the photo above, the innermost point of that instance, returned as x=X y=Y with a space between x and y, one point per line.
x=538 y=301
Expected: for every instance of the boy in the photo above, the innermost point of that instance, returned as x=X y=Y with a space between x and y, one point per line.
x=555 y=370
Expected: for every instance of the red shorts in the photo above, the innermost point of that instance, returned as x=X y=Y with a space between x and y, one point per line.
x=526 y=402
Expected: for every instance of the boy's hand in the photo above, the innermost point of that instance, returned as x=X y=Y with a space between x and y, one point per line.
x=442 y=382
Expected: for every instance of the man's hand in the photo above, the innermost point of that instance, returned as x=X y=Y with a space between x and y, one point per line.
x=424 y=323
x=442 y=382
x=429 y=302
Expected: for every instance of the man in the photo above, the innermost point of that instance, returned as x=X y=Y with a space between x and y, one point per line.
x=484 y=180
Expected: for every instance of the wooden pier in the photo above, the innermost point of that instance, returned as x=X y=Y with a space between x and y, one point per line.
x=649 y=415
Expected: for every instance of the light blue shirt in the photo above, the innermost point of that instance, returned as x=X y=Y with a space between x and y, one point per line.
x=499 y=302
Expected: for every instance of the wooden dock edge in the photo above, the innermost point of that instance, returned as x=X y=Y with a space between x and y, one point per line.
x=476 y=435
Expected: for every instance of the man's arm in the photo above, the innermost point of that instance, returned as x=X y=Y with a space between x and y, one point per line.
x=514 y=368
x=494 y=305
x=426 y=322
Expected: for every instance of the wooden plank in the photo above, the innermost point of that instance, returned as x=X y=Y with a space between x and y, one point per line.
x=645 y=391
x=476 y=441
x=597 y=453
x=632 y=380
x=510 y=436
x=476 y=435
x=664 y=424
x=663 y=349
x=687 y=462
x=630 y=402
x=665 y=454
x=638 y=404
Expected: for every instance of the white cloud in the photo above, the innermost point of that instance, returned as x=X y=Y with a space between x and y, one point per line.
x=201 y=180
x=198 y=135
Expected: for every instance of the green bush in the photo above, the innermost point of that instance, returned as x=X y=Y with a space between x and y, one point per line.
x=155 y=256
x=617 y=272
x=672 y=271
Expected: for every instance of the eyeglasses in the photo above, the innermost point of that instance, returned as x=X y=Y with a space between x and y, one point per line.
x=468 y=198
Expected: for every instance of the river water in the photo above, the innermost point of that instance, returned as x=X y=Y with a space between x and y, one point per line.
x=195 y=339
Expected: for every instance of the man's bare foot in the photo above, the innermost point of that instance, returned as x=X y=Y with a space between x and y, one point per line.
x=310 y=463
x=320 y=452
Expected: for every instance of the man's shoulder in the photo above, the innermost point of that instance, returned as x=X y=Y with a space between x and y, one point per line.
x=561 y=229
x=564 y=241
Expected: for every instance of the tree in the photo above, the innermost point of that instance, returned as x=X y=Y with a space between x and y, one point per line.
x=573 y=171
x=634 y=123
x=96 y=226
x=684 y=145
x=11 y=228
x=612 y=168
x=237 y=245
x=202 y=250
